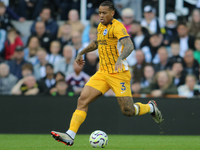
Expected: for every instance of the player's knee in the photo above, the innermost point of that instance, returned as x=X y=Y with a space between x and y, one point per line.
x=128 y=111
x=82 y=101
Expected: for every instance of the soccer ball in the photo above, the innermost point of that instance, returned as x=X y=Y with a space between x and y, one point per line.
x=98 y=138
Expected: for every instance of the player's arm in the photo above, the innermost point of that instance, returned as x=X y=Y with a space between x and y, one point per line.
x=91 y=47
x=128 y=48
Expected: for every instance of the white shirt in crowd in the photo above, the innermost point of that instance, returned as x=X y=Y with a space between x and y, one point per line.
x=6 y=2
x=152 y=26
x=184 y=90
x=138 y=40
x=183 y=46
x=53 y=59
x=42 y=71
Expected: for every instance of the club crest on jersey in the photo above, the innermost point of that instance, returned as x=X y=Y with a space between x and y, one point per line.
x=105 y=32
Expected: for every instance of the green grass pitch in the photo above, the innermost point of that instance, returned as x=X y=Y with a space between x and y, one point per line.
x=115 y=142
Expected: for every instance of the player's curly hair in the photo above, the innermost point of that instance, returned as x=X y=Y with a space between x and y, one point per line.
x=109 y=4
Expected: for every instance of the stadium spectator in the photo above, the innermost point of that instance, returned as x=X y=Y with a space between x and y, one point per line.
x=65 y=65
x=13 y=40
x=170 y=28
x=50 y=25
x=186 y=41
x=65 y=5
x=31 y=50
x=77 y=43
x=136 y=5
x=77 y=79
x=30 y=9
x=194 y=23
x=162 y=85
x=163 y=60
x=75 y=22
x=190 y=89
x=2 y=41
x=137 y=70
x=64 y=35
x=127 y=15
x=91 y=61
x=40 y=69
x=44 y=37
x=94 y=22
x=4 y=18
x=62 y=89
x=175 y=49
x=178 y=73
x=27 y=69
x=7 y=80
x=197 y=50
x=46 y=83
x=26 y=86
x=139 y=35
x=148 y=76
x=17 y=62
x=13 y=15
x=150 y=21
x=150 y=50
x=58 y=76
x=190 y=65
x=54 y=57
x=92 y=34
x=135 y=87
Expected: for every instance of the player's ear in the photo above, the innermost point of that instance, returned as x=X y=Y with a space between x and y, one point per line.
x=113 y=13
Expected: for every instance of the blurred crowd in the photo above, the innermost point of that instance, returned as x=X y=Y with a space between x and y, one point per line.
x=166 y=59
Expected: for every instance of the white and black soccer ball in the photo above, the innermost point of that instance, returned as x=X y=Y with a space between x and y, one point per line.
x=98 y=138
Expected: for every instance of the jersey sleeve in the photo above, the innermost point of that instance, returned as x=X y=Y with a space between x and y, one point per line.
x=120 y=31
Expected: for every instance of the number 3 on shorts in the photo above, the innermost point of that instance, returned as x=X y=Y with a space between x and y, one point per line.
x=123 y=86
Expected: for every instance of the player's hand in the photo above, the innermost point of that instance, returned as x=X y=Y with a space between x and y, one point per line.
x=118 y=65
x=79 y=60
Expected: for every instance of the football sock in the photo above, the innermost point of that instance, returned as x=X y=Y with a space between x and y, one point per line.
x=144 y=108
x=151 y=108
x=136 y=110
x=72 y=134
x=77 y=119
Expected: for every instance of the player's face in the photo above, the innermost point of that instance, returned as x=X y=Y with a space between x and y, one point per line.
x=105 y=14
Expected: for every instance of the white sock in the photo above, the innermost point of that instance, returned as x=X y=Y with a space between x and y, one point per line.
x=151 y=108
x=136 y=110
x=72 y=134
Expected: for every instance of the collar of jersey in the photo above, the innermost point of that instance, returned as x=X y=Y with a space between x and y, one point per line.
x=111 y=22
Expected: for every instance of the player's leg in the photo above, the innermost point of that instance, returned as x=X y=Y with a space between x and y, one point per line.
x=94 y=88
x=120 y=84
x=129 y=108
x=88 y=95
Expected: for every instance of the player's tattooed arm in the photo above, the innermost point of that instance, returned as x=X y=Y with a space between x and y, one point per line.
x=91 y=47
x=128 y=48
